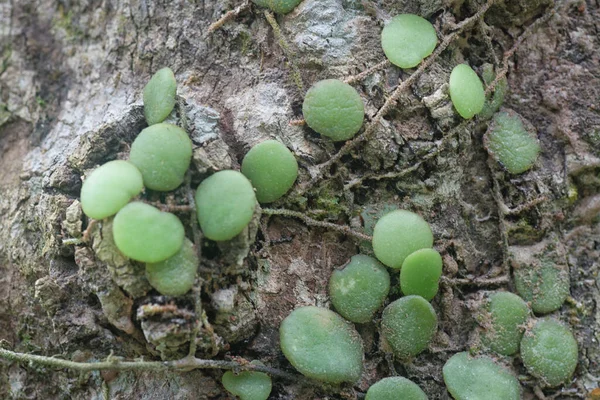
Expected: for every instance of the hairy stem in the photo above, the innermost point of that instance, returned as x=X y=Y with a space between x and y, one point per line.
x=184 y=364
x=313 y=222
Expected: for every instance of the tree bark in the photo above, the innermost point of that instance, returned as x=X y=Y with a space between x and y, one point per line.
x=71 y=76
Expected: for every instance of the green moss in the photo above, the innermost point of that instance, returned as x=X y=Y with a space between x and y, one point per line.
x=408 y=325
x=510 y=142
x=248 y=385
x=504 y=319
x=322 y=345
x=395 y=388
x=522 y=232
x=359 y=290
x=479 y=378
x=572 y=194
x=334 y=109
x=549 y=352
x=65 y=22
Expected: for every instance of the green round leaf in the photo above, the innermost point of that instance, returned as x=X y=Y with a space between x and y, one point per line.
x=159 y=96
x=407 y=39
x=271 y=168
x=162 y=153
x=479 y=378
x=504 y=319
x=144 y=233
x=248 y=385
x=545 y=284
x=109 y=188
x=420 y=273
x=225 y=203
x=321 y=345
x=359 y=290
x=395 y=388
x=408 y=325
x=512 y=142
x=398 y=234
x=466 y=91
x=175 y=275
x=549 y=352
x=333 y=109
x=278 y=6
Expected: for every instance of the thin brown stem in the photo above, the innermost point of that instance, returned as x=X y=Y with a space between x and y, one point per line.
x=313 y=222
x=170 y=207
x=184 y=364
x=497 y=195
x=478 y=282
x=197 y=289
x=229 y=15
x=359 y=77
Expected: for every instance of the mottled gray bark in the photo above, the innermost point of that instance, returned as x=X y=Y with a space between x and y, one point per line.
x=71 y=75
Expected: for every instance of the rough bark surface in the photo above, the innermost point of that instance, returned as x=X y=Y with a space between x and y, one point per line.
x=71 y=76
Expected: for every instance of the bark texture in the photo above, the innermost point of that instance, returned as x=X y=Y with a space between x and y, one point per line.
x=71 y=76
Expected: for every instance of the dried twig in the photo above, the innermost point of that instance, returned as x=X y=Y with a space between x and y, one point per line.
x=297 y=122
x=523 y=207
x=229 y=15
